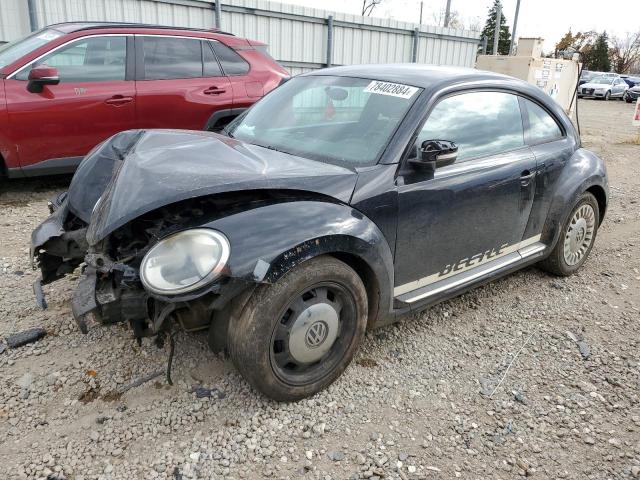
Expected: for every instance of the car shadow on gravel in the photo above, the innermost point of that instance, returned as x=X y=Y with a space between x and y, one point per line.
x=35 y=184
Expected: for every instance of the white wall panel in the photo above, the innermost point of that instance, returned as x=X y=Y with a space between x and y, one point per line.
x=294 y=33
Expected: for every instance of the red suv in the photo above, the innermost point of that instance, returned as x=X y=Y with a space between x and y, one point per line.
x=67 y=87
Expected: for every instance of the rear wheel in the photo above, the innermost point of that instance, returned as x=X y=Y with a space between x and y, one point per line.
x=295 y=337
x=576 y=239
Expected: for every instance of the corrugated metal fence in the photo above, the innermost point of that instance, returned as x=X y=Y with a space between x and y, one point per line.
x=300 y=38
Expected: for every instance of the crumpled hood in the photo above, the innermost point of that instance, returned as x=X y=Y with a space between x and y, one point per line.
x=137 y=171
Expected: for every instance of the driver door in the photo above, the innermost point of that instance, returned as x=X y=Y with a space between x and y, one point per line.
x=461 y=216
x=94 y=100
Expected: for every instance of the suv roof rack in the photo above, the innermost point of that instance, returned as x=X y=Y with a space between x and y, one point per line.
x=69 y=27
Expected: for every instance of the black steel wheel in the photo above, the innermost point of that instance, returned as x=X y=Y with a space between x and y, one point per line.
x=297 y=336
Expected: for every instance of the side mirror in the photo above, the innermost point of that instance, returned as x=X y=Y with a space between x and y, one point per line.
x=434 y=154
x=42 y=75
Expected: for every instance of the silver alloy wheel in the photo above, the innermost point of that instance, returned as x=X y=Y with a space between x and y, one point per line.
x=579 y=234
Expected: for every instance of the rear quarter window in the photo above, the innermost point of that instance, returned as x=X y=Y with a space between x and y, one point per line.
x=231 y=62
x=542 y=126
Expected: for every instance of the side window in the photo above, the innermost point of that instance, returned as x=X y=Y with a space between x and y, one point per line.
x=232 y=63
x=542 y=126
x=480 y=123
x=211 y=67
x=166 y=58
x=93 y=59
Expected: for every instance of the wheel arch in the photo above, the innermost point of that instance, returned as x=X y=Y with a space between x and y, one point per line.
x=269 y=241
x=601 y=196
x=222 y=117
x=369 y=279
x=3 y=167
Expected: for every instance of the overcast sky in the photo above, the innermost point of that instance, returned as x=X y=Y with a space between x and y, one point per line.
x=548 y=19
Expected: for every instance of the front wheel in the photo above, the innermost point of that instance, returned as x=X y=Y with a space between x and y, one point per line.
x=607 y=96
x=576 y=238
x=295 y=337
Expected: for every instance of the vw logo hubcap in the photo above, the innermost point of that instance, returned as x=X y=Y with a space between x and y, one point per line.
x=316 y=334
x=313 y=333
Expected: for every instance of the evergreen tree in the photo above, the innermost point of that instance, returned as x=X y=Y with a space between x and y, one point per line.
x=597 y=57
x=504 y=39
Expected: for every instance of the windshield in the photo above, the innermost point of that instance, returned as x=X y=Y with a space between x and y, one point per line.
x=341 y=120
x=12 y=51
x=602 y=80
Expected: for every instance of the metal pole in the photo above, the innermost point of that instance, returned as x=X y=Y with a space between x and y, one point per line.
x=515 y=26
x=484 y=45
x=414 y=50
x=496 y=34
x=218 y=14
x=447 y=14
x=421 y=5
x=329 y=40
x=33 y=15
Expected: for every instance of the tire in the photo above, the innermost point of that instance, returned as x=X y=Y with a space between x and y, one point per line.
x=296 y=336
x=572 y=232
x=607 y=96
x=623 y=97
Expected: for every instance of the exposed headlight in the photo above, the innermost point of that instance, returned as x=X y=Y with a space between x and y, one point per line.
x=184 y=261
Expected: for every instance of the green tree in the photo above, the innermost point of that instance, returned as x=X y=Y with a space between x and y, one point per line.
x=504 y=39
x=596 y=57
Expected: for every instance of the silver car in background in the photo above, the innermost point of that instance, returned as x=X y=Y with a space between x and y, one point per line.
x=603 y=87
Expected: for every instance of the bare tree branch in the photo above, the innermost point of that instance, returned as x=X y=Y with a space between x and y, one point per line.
x=625 y=52
x=368 y=6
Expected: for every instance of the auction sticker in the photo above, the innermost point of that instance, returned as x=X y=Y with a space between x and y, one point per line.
x=392 y=89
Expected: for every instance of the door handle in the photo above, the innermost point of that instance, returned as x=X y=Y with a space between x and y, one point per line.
x=118 y=100
x=214 y=91
x=525 y=177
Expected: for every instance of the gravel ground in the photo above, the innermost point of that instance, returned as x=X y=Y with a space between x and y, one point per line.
x=528 y=376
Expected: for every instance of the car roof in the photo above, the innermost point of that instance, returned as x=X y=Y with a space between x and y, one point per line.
x=417 y=75
x=71 y=27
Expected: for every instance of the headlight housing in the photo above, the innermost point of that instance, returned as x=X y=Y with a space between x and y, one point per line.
x=184 y=261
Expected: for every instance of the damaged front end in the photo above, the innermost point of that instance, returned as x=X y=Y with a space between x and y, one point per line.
x=138 y=274
x=143 y=219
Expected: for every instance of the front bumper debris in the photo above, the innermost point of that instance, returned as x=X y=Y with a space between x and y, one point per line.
x=84 y=298
x=39 y=294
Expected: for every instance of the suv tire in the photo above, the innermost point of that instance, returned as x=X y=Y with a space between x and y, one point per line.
x=296 y=336
x=576 y=238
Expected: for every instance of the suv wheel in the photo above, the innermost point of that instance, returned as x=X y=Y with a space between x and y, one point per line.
x=295 y=337
x=576 y=239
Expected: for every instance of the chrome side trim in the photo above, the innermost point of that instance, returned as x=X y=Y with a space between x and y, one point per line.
x=472 y=263
x=477 y=272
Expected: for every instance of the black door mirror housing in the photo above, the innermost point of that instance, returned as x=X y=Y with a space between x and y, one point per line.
x=434 y=154
x=42 y=75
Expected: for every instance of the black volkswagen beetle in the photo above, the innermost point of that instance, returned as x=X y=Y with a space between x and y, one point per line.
x=343 y=200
